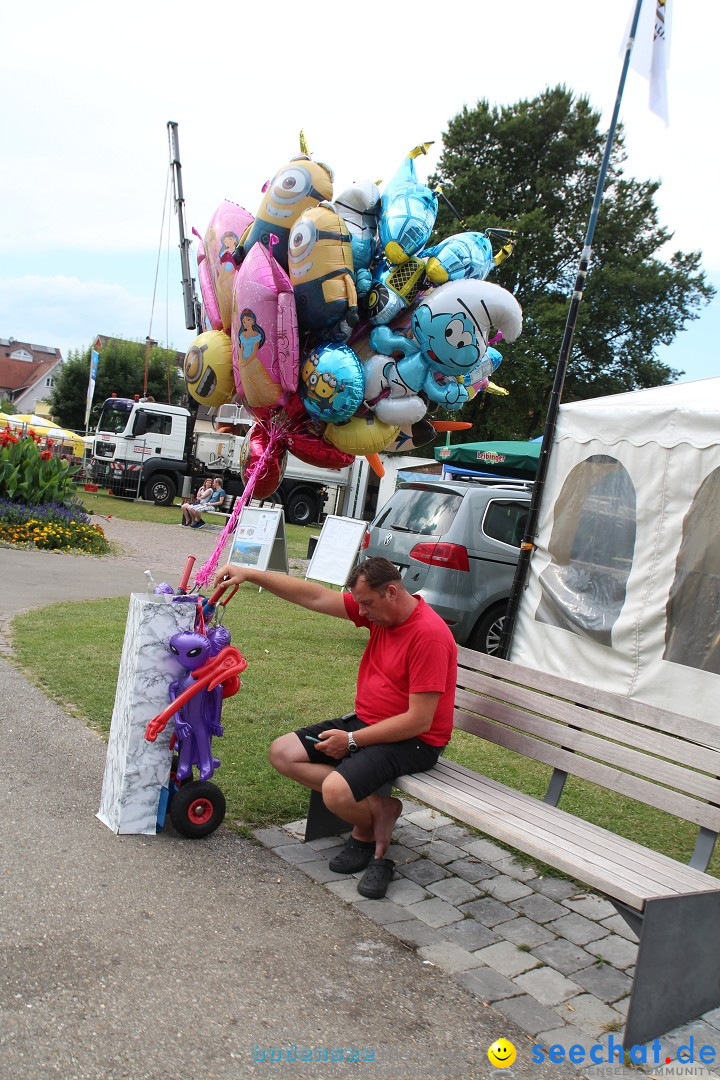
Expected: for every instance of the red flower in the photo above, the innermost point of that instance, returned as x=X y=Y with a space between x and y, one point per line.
x=45 y=455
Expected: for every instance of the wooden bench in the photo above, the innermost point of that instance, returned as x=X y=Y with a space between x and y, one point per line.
x=656 y=757
x=223 y=509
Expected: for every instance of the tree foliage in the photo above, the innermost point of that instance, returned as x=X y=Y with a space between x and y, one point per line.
x=121 y=371
x=533 y=167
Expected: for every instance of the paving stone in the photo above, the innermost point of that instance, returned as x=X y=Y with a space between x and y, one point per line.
x=563 y=956
x=452 y=833
x=380 y=911
x=323 y=842
x=617 y=925
x=525 y=932
x=422 y=871
x=712 y=1017
x=471 y=869
x=515 y=869
x=592 y=907
x=320 y=871
x=487 y=911
x=346 y=890
x=271 y=838
x=404 y=892
x=589 y=1013
x=487 y=984
x=578 y=929
x=621 y=1008
x=548 y=986
x=427 y=819
x=507 y=958
x=450 y=957
x=485 y=850
x=538 y=908
x=441 y=852
x=297 y=829
x=401 y=854
x=411 y=836
x=505 y=888
x=555 y=888
x=454 y=890
x=470 y=935
x=296 y=853
x=615 y=950
x=434 y=912
x=605 y=982
x=415 y=933
x=566 y=1036
x=528 y=1013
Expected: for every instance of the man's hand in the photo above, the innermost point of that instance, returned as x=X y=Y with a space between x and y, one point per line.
x=230 y=575
x=334 y=743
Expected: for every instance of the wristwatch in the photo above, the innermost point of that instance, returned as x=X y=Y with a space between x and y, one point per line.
x=352 y=745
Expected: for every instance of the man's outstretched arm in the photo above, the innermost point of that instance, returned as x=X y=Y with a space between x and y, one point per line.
x=307 y=594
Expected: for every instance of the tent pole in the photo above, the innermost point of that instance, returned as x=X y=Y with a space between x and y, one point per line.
x=527 y=546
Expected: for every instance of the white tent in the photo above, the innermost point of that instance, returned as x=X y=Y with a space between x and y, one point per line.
x=624 y=585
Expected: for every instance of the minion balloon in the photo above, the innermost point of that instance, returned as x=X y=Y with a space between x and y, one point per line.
x=298 y=186
x=407 y=211
x=320 y=264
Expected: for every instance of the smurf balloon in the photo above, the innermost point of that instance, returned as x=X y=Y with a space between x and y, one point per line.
x=465 y=255
x=298 y=186
x=320 y=262
x=359 y=207
x=332 y=383
x=407 y=211
x=450 y=331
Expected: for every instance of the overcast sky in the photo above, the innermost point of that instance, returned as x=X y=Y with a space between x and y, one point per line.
x=87 y=91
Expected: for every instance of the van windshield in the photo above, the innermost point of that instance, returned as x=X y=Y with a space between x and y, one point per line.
x=417 y=510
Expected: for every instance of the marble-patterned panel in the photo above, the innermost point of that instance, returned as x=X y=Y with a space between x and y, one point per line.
x=137 y=770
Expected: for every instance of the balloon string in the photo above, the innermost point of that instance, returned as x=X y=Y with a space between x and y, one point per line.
x=207 y=570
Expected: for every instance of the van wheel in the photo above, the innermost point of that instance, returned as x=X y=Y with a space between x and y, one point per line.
x=161 y=490
x=487 y=635
x=301 y=509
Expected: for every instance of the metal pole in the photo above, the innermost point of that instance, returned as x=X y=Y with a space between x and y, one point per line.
x=193 y=318
x=527 y=546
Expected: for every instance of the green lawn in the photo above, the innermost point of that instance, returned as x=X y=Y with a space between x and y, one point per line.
x=301 y=667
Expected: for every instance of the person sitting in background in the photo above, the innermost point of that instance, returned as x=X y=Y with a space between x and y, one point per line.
x=217 y=495
x=202 y=494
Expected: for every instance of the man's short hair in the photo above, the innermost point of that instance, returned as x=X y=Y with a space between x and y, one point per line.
x=377 y=572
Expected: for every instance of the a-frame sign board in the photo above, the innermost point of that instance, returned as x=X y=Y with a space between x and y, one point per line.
x=336 y=550
x=260 y=540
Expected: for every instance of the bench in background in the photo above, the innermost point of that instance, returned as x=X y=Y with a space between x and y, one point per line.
x=664 y=760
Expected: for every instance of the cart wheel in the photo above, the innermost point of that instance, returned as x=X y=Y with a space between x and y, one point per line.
x=197 y=809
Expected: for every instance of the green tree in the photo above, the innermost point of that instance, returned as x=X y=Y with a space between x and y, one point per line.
x=533 y=167
x=121 y=371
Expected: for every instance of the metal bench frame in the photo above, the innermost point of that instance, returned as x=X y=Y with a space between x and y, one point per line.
x=659 y=758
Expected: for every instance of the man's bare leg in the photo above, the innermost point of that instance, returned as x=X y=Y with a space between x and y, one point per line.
x=288 y=755
x=372 y=818
x=385 y=810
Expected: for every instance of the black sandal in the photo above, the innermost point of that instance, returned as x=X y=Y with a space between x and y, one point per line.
x=376 y=878
x=354 y=856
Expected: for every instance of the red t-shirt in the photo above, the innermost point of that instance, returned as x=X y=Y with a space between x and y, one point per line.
x=419 y=655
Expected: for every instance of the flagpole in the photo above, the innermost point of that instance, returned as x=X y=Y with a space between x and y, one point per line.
x=527 y=546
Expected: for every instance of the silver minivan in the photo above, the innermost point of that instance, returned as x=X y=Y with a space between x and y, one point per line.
x=456 y=544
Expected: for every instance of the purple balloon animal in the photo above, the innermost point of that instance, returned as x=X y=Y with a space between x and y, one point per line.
x=199 y=718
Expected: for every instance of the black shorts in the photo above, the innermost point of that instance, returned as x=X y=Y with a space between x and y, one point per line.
x=371 y=767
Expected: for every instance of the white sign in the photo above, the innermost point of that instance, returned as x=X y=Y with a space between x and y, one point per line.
x=260 y=540
x=336 y=550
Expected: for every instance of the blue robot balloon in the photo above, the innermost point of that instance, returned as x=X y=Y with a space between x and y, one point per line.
x=465 y=255
x=407 y=212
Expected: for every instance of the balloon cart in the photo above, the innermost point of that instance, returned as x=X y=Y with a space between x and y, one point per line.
x=176 y=669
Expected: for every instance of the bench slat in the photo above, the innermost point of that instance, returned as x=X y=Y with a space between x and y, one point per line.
x=674 y=748
x=597 y=773
x=658 y=770
x=699 y=731
x=640 y=863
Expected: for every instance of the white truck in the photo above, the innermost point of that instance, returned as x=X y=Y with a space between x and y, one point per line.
x=147 y=450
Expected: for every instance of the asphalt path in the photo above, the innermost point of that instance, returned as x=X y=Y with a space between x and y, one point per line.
x=152 y=957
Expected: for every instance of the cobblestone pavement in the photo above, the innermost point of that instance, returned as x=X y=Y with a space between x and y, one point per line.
x=554 y=958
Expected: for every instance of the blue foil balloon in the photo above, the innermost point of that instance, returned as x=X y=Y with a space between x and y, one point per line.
x=407 y=212
x=465 y=255
x=332 y=383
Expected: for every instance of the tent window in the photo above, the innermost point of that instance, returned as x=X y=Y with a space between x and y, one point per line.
x=692 y=635
x=591 y=548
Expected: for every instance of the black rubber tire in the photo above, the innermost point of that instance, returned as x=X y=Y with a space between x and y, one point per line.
x=197 y=809
x=487 y=633
x=160 y=489
x=302 y=509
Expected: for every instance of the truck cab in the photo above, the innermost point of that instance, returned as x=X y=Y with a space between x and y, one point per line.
x=139 y=449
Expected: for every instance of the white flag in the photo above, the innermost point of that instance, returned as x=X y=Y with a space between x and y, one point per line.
x=651 y=51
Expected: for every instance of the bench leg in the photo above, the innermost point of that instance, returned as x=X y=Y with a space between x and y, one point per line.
x=677 y=977
x=322 y=822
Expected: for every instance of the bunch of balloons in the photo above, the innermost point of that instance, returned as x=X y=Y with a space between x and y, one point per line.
x=330 y=320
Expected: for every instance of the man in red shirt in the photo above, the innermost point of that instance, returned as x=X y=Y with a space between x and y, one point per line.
x=403 y=708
